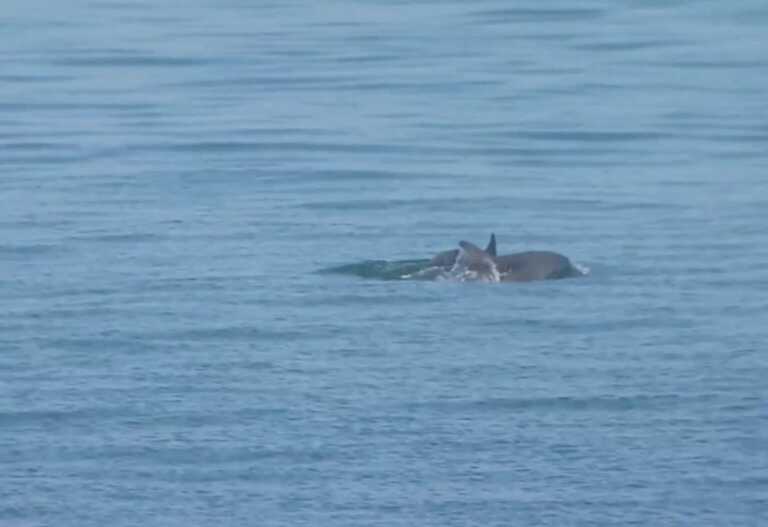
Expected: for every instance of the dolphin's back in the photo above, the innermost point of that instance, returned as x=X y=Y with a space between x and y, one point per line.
x=448 y=258
x=444 y=259
x=534 y=265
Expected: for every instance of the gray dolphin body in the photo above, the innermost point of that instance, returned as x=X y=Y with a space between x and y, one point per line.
x=517 y=267
x=535 y=265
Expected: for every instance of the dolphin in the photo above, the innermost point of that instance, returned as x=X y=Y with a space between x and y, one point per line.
x=535 y=265
x=448 y=258
x=474 y=264
x=516 y=267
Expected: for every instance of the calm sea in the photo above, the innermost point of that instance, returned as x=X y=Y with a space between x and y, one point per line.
x=175 y=175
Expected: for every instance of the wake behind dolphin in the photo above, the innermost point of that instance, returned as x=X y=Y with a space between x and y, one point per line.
x=469 y=263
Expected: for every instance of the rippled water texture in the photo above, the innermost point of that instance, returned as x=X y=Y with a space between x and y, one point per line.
x=173 y=176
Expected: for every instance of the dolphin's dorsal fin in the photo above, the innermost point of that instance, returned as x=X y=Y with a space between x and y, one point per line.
x=491 y=249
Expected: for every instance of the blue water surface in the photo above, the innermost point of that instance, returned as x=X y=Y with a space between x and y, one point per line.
x=175 y=175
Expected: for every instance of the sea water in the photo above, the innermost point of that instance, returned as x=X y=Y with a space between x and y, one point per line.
x=176 y=176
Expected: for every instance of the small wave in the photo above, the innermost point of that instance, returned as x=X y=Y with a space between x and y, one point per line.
x=427 y=273
x=381 y=269
x=27 y=250
x=414 y=270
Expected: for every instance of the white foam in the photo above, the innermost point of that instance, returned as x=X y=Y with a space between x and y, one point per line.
x=581 y=268
x=430 y=273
